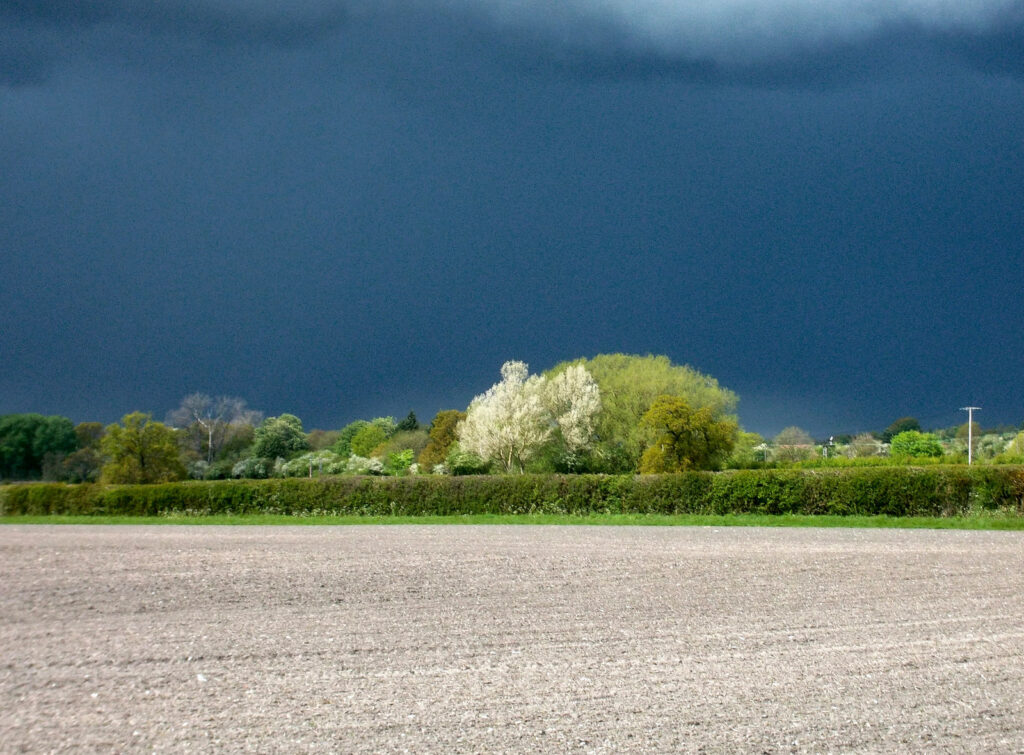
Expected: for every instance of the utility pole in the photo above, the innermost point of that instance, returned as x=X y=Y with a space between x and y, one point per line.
x=970 y=430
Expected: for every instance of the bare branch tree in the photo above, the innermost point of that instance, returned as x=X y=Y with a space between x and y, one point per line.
x=212 y=422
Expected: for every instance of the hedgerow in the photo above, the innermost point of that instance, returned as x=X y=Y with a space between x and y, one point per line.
x=894 y=491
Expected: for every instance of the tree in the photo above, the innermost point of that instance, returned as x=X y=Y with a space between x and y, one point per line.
x=989 y=446
x=962 y=431
x=794 y=436
x=899 y=426
x=141 y=451
x=749 y=450
x=343 y=446
x=442 y=435
x=210 y=423
x=368 y=438
x=973 y=433
x=320 y=439
x=574 y=400
x=279 y=437
x=30 y=442
x=793 y=444
x=461 y=462
x=915 y=444
x=84 y=464
x=509 y=422
x=398 y=462
x=386 y=427
x=409 y=423
x=403 y=440
x=89 y=434
x=685 y=438
x=628 y=385
x=865 y=445
x=523 y=415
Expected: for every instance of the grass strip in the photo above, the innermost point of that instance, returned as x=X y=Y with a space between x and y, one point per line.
x=979 y=522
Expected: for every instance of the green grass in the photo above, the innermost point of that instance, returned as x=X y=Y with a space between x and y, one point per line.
x=979 y=522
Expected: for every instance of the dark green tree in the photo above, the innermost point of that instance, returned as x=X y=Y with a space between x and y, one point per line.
x=30 y=442
x=409 y=423
x=903 y=424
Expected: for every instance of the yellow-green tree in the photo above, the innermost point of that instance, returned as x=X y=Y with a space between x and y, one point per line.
x=685 y=438
x=368 y=438
x=628 y=385
x=141 y=451
x=915 y=444
x=749 y=449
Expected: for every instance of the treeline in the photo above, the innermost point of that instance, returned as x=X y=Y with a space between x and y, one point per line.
x=612 y=414
x=902 y=442
x=902 y=491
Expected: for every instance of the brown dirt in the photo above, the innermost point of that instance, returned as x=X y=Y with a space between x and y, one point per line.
x=483 y=639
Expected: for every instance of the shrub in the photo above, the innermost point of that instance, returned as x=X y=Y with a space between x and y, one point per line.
x=896 y=491
x=254 y=468
x=914 y=443
x=360 y=465
x=399 y=462
x=461 y=462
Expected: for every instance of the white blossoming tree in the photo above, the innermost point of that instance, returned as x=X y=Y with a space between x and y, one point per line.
x=574 y=400
x=513 y=420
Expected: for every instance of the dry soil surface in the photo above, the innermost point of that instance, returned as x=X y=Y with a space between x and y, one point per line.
x=515 y=638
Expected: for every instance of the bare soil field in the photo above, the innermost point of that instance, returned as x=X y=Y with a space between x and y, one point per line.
x=509 y=639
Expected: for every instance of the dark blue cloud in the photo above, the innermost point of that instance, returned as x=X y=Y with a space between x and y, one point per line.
x=214 y=20
x=38 y=35
x=745 y=42
x=1000 y=52
x=375 y=218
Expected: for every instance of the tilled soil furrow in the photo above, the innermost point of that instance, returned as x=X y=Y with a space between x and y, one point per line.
x=509 y=639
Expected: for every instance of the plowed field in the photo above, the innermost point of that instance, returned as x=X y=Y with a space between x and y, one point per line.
x=509 y=638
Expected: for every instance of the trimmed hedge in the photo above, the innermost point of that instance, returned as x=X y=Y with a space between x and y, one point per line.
x=896 y=491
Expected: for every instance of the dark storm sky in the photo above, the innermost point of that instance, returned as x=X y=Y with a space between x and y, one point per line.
x=347 y=209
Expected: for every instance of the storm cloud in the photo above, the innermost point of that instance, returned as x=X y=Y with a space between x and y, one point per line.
x=740 y=32
x=37 y=37
x=747 y=41
x=347 y=209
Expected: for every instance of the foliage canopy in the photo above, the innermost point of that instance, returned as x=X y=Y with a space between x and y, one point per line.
x=629 y=385
x=141 y=451
x=279 y=437
x=28 y=442
x=685 y=438
x=912 y=443
x=442 y=436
